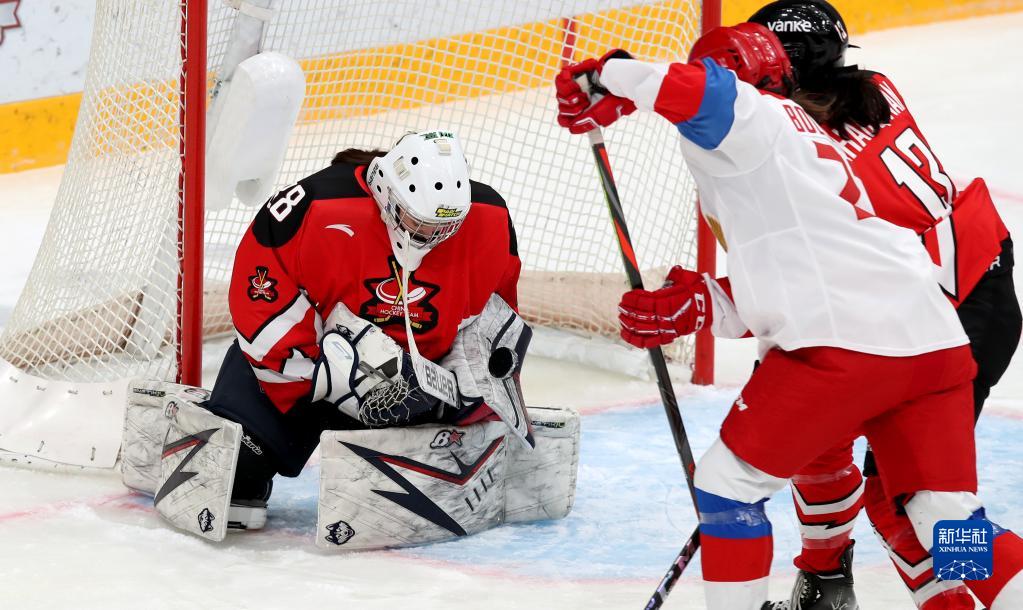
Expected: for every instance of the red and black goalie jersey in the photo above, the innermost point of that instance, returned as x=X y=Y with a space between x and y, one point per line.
x=909 y=187
x=322 y=241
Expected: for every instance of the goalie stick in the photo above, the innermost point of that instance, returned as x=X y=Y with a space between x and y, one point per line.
x=678 y=430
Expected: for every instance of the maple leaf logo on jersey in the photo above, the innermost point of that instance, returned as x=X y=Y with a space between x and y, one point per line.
x=262 y=286
x=384 y=306
x=8 y=17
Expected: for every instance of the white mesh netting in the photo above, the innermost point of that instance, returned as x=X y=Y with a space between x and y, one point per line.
x=101 y=302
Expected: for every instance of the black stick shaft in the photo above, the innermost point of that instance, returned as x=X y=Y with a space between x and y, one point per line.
x=678 y=430
x=675 y=571
x=614 y=206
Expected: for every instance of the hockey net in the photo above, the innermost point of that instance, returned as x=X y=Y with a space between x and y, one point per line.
x=104 y=300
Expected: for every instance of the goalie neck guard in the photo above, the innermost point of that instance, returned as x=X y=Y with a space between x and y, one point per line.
x=422 y=188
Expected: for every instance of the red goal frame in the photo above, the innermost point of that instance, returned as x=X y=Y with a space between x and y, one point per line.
x=706 y=244
x=192 y=187
x=191 y=207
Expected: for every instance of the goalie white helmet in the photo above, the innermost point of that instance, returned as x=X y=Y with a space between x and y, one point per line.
x=422 y=188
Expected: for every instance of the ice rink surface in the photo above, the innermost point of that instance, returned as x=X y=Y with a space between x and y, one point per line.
x=84 y=541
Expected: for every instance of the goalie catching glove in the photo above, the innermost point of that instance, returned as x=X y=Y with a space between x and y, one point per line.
x=581 y=111
x=486 y=359
x=658 y=317
x=366 y=375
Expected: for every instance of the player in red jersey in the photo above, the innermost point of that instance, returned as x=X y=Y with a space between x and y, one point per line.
x=336 y=281
x=972 y=251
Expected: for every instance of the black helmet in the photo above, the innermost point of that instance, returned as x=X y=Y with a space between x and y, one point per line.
x=813 y=34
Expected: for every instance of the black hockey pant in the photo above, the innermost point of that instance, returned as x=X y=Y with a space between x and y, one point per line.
x=276 y=443
x=992 y=320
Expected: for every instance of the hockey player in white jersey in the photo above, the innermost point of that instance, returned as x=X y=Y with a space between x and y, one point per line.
x=854 y=333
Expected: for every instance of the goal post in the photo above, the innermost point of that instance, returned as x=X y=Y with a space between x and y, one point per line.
x=706 y=243
x=131 y=277
x=701 y=359
x=192 y=212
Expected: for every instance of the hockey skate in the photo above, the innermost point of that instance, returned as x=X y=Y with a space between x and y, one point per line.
x=832 y=591
x=249 y=513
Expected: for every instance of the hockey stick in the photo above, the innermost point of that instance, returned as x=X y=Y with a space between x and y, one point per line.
x=675 y=571
x=678 y=430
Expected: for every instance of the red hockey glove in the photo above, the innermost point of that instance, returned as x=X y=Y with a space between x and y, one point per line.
x=658 y=317
x=580 y=112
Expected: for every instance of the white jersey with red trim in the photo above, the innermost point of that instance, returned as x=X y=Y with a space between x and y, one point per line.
x=809 y=263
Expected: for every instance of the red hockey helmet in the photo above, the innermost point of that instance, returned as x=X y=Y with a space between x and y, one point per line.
x=750 y=50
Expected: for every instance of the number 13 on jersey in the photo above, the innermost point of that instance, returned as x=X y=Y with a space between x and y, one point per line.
x=914 y=167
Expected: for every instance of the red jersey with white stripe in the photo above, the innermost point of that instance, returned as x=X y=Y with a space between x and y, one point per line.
x=322 y=242
x=909 y=187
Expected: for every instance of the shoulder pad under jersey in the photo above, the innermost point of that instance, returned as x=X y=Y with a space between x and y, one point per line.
x=280 y=219
x=486 y=195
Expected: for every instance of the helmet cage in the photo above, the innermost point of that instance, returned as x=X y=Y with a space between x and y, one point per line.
x=418 y=218
x=423 y=233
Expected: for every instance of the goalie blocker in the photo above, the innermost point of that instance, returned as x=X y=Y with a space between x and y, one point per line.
x=379 y=488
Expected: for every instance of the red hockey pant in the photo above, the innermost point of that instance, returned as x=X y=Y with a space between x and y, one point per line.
x=915 y=411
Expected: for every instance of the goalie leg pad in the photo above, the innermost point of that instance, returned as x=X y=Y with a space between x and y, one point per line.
x=197 y=468
x=407 y=486
x=145 y=427
x=540 y=484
